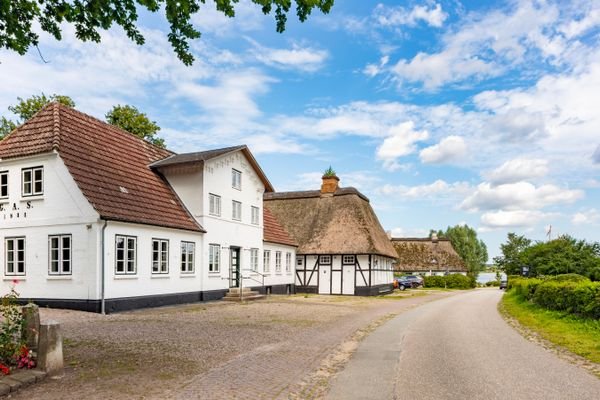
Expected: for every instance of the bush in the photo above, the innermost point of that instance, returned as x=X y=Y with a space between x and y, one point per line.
x=492 y=283
x=453 y=281
x=568 y=278
x=11 y=328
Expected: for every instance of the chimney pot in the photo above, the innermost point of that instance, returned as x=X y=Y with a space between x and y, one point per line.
x=329 y=185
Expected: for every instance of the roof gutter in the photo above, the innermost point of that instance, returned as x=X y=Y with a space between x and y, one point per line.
x=102 y=269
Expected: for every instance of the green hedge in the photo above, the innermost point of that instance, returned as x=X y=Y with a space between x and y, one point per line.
x=453 y=281
x=571 y=295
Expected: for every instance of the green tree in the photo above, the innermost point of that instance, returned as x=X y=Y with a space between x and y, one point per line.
x=18 y=18
x=472 y=250
x=132 y=120
x=511 y=259
x=26 y=108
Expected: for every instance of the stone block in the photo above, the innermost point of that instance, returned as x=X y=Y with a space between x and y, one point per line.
x=31 y=315
x=39 y=374
x=24 y=377
x=4 y=389
x=12 y=383
x=50 y=353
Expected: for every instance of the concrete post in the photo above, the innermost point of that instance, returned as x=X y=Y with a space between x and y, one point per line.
x=50 y=354
x=31 y=315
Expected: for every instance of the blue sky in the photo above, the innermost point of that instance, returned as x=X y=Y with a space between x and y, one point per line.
x=441 y=112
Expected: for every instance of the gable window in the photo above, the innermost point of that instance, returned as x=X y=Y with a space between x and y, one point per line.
x=299 y=261
x=214 y=204
x=214 y=257
x=126 y=255
x=267 y=261
x=236 y=210
x=288 y=262
x=14 y=256
x=255 y=215
x=254 y=259
x=32 y=181
x=324 y=259
x=3 y=184
x=59 y=254
x=236 y=179
x=160 y=256
x=277 y=261
x=348 y=260
x=187 y=257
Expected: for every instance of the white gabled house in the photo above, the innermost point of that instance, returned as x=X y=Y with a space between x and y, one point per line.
x=97 y=219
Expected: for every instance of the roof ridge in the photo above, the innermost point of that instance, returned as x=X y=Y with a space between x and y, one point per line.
x=56 y=125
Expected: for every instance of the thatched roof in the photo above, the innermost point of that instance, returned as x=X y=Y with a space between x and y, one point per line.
x=342 y=223
x=418 y=254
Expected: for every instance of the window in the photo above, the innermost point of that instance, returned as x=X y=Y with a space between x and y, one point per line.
x=125 y=260
x=33 y=181
x=236 y=179
x=254 y=259
x=160 y=256
x=299 y=261
x=255 y=215
x=187 y=257
x=267 y=261
x=214 y=257
x=277 y=261
x=236 y=210
x=288 y=262
x=348 y=260
x=214 y=204
x=324 y=259
x=14 y=256
x=59 y=254
x=4 y=184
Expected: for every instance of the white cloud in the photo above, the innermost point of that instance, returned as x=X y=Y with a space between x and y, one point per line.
x=596 y=155
x=305 y=59
x=437 y=189
x=518 y=169
x=398 y=16
x=248 y=18
x=401 y=142
x=578 y=27
x=449 y=149
x=513 y=219
x=400 y=232
x=518 y=196
x=591 y=216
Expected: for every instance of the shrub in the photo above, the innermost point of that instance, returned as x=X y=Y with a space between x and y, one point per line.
x=453 y=281
x=569 y=278
x=11 y=328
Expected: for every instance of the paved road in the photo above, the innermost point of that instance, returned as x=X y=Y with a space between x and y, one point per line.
x=458 y=348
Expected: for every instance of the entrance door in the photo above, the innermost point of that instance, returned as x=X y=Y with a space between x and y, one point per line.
x=324 y=279
x=348 y=280
x=234 y=267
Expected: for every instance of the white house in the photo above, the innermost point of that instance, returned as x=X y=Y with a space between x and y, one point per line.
x=342 y=248
x=95 y=218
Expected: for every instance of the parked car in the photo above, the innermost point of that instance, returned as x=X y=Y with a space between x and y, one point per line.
x=402 y=283
x=503 y=284
x=415 y=280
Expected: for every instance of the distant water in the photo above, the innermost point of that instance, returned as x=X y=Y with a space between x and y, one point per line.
x=484 y=277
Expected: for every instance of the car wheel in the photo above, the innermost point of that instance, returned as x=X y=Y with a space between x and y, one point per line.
x=402 y=287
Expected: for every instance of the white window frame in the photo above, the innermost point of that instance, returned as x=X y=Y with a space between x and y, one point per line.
x=60 y=260
x=288 y=262
x=254 y=259
x=160 y=256
x=214 y=204
x=267 y=261
x=32 y=181
x=278 y=261
x=126 y=261
x=214 y=258
x=4 y=185
x=236 y=179
x=255 y=215
x=299 y=261
x=188 y=257
x=18 y=256
x=348 y=259
x=325 y=260
x=236 y=205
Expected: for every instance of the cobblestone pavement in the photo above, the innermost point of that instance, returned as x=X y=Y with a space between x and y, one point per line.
x=263 y=350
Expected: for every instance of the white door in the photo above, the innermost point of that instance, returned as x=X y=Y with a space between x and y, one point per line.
x=336 y=281
x=324 y=279
x=348 y=282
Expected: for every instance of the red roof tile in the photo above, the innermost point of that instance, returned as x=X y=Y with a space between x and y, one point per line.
x=110 y=166
x=273 y=232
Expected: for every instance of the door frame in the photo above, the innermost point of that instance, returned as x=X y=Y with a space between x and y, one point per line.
x=234 y=274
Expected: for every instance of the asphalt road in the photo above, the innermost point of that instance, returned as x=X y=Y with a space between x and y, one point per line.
x=458 y=348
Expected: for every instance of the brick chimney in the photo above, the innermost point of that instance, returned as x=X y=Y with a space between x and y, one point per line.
x=329 y=185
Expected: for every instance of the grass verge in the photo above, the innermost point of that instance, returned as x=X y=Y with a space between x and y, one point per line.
x=580 y=336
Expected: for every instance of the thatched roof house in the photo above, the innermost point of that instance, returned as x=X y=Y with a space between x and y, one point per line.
x=342 y=247
x=427 y=255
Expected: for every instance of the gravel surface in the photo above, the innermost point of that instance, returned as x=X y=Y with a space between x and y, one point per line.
x=458 y=348
x=266 y=349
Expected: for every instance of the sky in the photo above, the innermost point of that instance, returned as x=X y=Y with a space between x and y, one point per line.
x=441 y=112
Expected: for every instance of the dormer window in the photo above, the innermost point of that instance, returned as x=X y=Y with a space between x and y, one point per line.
x=32 y=181
x=3 y=184
x=236 y=179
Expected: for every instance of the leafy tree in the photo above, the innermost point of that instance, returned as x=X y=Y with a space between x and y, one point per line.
x=26 y=108
x=511 y=259
x=472 y=250
x=132 y=120
x=18 y=17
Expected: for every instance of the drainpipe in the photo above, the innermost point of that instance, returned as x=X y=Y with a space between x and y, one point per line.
x=102 y=302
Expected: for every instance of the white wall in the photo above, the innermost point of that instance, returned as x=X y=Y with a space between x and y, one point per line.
x=273 y=277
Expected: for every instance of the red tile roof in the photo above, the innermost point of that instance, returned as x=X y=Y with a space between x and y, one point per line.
x=110 y=166
x=273 y=232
